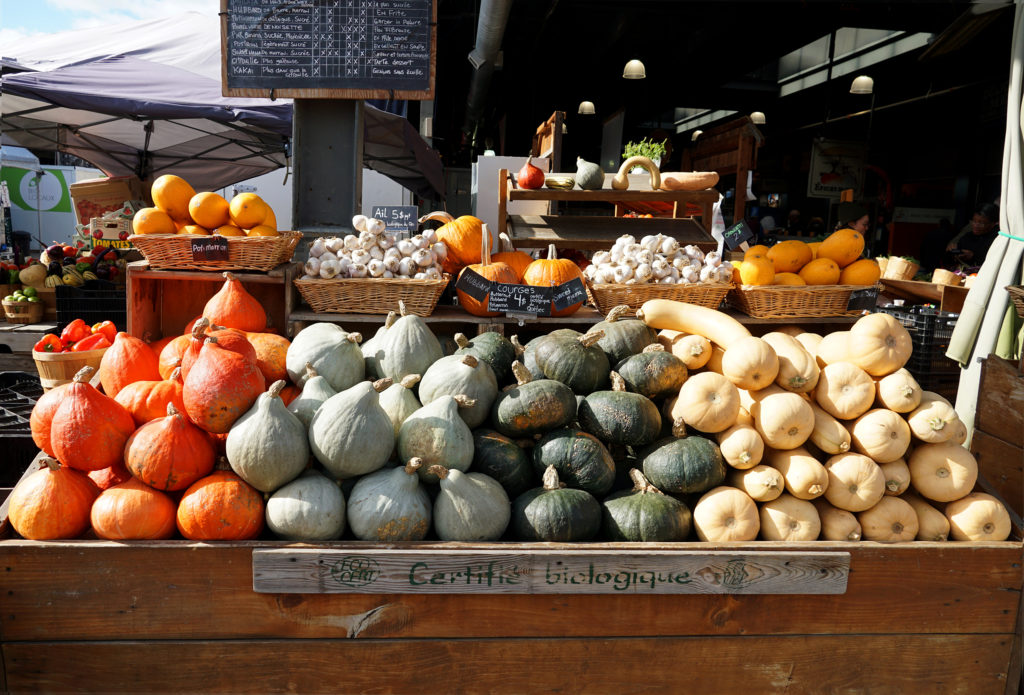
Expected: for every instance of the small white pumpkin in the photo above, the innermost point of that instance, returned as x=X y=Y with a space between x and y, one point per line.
x=267 y=446
x=315 y=391
x=469 y=506
x=390 y=505
x=310 y=508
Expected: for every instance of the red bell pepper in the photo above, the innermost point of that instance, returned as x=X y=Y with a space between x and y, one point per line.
x=107 y=328
x=49 y=343
x=74 y=331
x=95 y=341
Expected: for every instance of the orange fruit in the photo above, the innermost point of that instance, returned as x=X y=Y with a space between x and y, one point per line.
x=788 y=279
x=843 y=246
x=152 y=221
x=757 y=270
x=209 y=210
x=814 y=246
x=789 y=256
x=862 y=272
x=228 y=230
x=247 y=210
x=820 y=271
x=262 y=230
x=756 y=250
x=271 y=219
x=171 y=194
x=193 y=229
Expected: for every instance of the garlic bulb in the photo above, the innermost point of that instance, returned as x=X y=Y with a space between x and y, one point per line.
x=430 y=235
x=643 y=272
x=651 y=244
x=680 y=263
x=726 y=266
x=706 y=271
x=440 y=250
x=694 y=253
x=376 y=253
x=644 y=256
x=329 y=269
x=590 y=272
x=600 y=257
x=335 y=245
x=391 y=263
x=626 y=239
x=419 y=242
x=386 y=241
x=406 y=267
x=361 y=257
x=420 y=276
x=351 y=242
x=690 y=274
x=713 y=259
x=632 y=249
x=327 y=256
x=375 y=268
x=632 y=281
x=660 y=268
x=630 y=261
x=405 y=247
x=667 y=280
x=674 y=274
x=623 y=273
x=423 y=258
x=316 y=248
x=393 y=253
x=375 y=226
x=669 y=246
x=312 y=266
x=432 y=273
x=388 y=275
x=358 y=270
x=359 y=223
x=616 y=254
x=344 y=262
x=367 y=240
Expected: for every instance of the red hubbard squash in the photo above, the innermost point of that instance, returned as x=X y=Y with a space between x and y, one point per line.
x=229 y=339
x=89 y=429
x=190 y=325
x=128 y=360
x=551 y=272
x=133 y=511
x=109 y=477
x=169 y=453
x=148 y=400
x=170 y=356
x=462 y=236
x=42 y=416
x=53 y=503
x=219 y=442
x=495 y=272
x=221 y=507
x=157 y=346
x=233 y=307
x=221 y=386
x=271 y=351
x=289 y=393
x=518 y=261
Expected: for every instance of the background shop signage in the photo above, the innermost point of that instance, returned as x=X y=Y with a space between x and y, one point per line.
x=330 y=49
x=835 y=167
x=366 y=571
x=398 y=218
x=521 y=300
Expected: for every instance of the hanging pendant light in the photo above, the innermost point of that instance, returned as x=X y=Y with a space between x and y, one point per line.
x=634 y=70
x=757 y=117
x=586 y=108
x=862 y=84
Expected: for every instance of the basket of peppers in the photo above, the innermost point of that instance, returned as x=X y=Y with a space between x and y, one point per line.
x=59 y=357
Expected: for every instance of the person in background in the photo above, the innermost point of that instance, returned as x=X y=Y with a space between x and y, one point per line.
x=794 y=224
x=853 y=216
x=972 y=247
x=815 y=227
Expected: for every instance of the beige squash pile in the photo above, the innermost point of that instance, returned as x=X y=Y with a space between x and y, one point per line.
x=825 y=438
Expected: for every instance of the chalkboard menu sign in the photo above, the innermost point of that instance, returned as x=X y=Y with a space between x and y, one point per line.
x=210 y=248
x=397 y=218
x=520 y=300
x=331 y=49
x=737 y=234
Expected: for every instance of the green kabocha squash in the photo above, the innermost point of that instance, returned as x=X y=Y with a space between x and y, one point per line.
x=532 y=406
x=688 y=465
x=437 y=435
x=555 y=513
x=528 y=354
x=644 y=513
x=390 y=505
x=503 y=459
x=581 y=460
x=623 y=336
x=654 y=373
x=589 y=176
x=408 y=347
x=493 y=348
x=577 y=362
x=470 y=506
x=371 y=349
x=310 y=508
x=268 y=447
x=333 y=352
x=462 y=375
x=350 y=434
x=620 y=417
x=315 y=391
x=399 y=401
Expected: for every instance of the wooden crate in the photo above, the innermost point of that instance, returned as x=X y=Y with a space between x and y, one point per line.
x=162 y=302
x=998 y=440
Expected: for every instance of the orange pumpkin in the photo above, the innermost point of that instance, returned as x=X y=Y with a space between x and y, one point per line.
x=289 y=393
x=462 y=236
x=42 y=417
x=171 y=354
x=133 y=511
x=128 y=360
x=190 y=325
x=271 y=350
x=221 y=507
x=233 y=307
x=148 y=400
x=89 y=429
x=228 y=338
x=109 y=477
x=51 y=504
x=551 y=272
x=157 y=346
x=495 y=272
x=518 y=261
x=220 y=387
x=169 y=453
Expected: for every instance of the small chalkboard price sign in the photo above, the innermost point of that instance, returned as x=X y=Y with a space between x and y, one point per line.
x=398 y=218
x=211 y=248
x=737 y=234
x=863 y=300
x=519 y=299
x=474 y=284
x=569 y=293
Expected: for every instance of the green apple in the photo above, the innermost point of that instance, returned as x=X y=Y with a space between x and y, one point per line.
x=33 y=299
x=29 y=291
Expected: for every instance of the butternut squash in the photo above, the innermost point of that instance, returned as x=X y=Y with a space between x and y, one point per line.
x=750 y=363
x=832 y=349
x=744 y=417
x=762 y=483
x=959 y=432
x=784 y=420
x=897 y=477
x=836 y=524
x=899 y=392
x=828 y=434
x=694 y=350
x=855 y=482
x=810 y=341
x=690 y=318
x=978 y=517
x=891 y=520
x=741 y=445
x=714 y=363
x=788 y=518
x=933 y=420
x=805 y=477
x=881 y=434
x=879 y=344
x=707 y=402
x=726 y=514
x=844 y=390
x=932 y=525
x=798 y=369
x=943 y=472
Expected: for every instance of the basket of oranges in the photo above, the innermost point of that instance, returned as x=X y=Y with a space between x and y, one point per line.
x=165 y=233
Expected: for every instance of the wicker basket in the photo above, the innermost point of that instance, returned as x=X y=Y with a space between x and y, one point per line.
x=174 y=251
x=942 y=276
x=1017 y=295
x=56 y=368
x=897 y=268
x=24 y=312
x=371 y=295
x=607 y=296
x=794 y=301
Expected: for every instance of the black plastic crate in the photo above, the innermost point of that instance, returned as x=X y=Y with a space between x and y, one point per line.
x=925 y=323
x=19 y=392
x=945 y=385
x=95 y=301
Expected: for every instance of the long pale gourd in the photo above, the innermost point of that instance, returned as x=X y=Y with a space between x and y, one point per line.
x=690 y=318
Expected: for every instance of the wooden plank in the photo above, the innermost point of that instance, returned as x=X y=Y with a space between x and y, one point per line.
x=607 y=195
x=1003 y=467
x=21 y=337
x=322 y=571
x=441 y=314
x=797 y=664
x=17 y=362
x=585 y=232
x=1000 y=410
x=182 y=590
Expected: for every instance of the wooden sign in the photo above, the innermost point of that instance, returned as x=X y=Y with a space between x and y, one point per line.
x=329 y=49
x=373 y=571
x=210 y=248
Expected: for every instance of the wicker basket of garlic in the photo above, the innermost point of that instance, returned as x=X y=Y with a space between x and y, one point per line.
x=368 y=272
x=656 y=267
